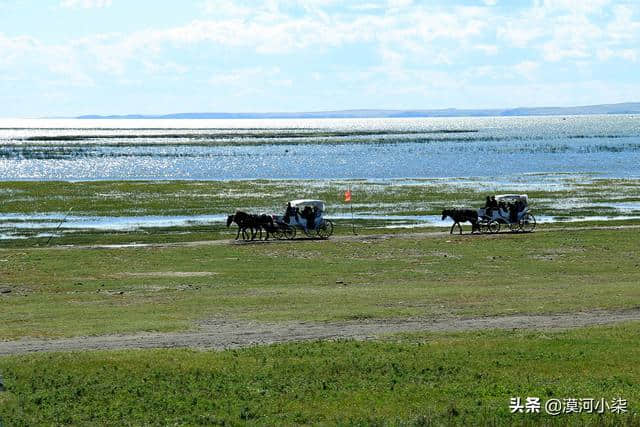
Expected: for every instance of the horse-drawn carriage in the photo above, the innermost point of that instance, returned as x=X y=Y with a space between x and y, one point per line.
x=305 y=215
x=511 y=210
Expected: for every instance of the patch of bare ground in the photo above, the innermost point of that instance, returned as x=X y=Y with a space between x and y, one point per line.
x=161 y=274
x=369 y=238
x=222 y=334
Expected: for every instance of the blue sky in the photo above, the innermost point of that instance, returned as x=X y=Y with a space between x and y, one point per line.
x=70 y=57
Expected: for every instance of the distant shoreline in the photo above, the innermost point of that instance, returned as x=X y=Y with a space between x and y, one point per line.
x=622 y=108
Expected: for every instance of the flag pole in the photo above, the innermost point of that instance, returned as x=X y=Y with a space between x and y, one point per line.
x=353 y=222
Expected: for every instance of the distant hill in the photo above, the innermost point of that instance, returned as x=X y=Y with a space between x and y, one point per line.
x=623 y=108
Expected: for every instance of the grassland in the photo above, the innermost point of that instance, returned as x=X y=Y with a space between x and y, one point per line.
x=567 y=196
x=388 y=204
x=128 y=290
x=412 y=379
x=418 y=379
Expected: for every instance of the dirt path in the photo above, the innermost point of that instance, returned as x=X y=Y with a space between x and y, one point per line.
x=221 y=334
x=341 y=238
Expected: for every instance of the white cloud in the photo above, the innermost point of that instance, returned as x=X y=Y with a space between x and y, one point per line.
x=85 y=4
x=520 y=33
x=71 y=73
x=267 y=29
x=630 y=55
x=502 y=73
x=365 y=6
x=579 y=7
x=414 y=43
x=169 y=67
x=225 y=8
x=13 y=48
x=580 y=32
x=394 y=4
x=488 y=49
x=527 y=69
x=250 y=79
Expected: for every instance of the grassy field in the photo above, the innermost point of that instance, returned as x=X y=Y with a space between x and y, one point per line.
x=418 y=379
x=173 y=288
x=568 y=196
x=201 y=233
x=411 y=379
x=564 y=198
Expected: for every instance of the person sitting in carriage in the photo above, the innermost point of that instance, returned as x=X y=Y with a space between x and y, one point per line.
x=288 y=213
x=309 y=216
x=494 y=203
x=487 y=203
x=513 y=212
x=490 y=205
x=515 y=209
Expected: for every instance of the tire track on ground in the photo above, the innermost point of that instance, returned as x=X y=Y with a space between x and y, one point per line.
x=221 y=334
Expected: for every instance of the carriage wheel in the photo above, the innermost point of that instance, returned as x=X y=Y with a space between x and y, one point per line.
x=494 y=227
x=310 y=232
x=325 y=229
x=289 y=233
x=528 y=223
x=329 y=225
x=483 y=226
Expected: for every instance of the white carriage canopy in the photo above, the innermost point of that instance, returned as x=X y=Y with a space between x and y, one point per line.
x=510 y=198
x=301 y=204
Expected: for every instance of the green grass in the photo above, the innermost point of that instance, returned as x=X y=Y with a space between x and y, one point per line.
x=545 y=272
x=418 y=379
x=571 y=199
x=398 y=197
x=421 y=379
x=163 y=235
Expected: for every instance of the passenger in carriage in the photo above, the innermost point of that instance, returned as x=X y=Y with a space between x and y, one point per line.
x=309 y=216
x=493 y=202
x=487 y=203
x=490 y=205
x=519 y=207
x=288 y=213
x=316 y=214
x=513 y=211
x=487 y=207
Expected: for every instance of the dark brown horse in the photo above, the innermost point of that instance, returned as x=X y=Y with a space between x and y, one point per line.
x=245 y=224
x=250 y=225
x=462 y=215
x=264 y=222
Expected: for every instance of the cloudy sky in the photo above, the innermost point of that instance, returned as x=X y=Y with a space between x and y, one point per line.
x=68 y=57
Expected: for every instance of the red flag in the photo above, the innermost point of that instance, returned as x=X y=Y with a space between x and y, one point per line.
x=347 y=196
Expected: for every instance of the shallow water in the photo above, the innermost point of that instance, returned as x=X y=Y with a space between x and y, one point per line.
x=112 y=223
x=503 y=148
x=22 y=226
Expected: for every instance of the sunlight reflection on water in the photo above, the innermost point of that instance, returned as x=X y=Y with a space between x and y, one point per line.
x=319 y=148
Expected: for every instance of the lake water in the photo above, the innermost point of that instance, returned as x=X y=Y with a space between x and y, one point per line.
x=22 y=226
x=516 y=152
x=505 y=148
